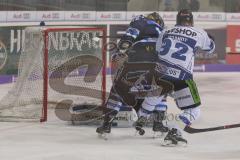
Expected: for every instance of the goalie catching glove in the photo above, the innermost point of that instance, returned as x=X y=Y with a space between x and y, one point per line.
x=124 y=45
x=118 y=56
x=121 y=52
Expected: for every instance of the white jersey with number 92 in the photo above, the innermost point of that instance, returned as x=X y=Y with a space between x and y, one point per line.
x=179 y=44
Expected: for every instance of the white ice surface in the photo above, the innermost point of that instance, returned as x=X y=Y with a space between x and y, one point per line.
x=57 y=140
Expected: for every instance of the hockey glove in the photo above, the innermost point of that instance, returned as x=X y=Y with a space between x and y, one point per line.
x=117 y=55
x=124 y=45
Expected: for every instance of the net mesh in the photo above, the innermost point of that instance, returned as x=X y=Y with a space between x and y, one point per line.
x=75 y=62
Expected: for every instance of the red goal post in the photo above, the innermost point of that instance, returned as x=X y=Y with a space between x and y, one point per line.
x=48 y=61
x=46 y=39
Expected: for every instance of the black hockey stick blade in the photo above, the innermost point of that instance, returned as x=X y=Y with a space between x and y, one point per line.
x=191 y=130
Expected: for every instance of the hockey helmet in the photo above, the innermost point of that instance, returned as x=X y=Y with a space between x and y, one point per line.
x=185 y=18
x=156 y=17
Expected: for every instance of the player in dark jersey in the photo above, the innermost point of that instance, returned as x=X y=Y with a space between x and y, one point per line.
x=138 y=45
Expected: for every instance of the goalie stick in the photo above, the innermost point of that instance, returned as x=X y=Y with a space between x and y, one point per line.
x=191 y=130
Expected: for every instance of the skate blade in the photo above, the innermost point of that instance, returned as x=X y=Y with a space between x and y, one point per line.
x=167 y=143
x=104 y=136
x=137 y=134
x=159 y=134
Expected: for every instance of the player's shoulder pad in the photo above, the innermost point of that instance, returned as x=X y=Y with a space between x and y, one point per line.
x=138 y=18
x=199 y=30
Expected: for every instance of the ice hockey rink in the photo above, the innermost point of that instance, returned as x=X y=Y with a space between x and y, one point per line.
x=58 y=140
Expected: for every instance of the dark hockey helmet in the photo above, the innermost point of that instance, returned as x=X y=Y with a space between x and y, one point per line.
x=156 y=17
x=185 y=17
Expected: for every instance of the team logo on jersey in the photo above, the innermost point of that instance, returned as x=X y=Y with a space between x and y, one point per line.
x=3 y=55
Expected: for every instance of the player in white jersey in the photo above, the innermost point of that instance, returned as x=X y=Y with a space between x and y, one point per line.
x=178 y=46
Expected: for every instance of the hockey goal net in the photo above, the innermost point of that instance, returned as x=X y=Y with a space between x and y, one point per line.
x=57 y=65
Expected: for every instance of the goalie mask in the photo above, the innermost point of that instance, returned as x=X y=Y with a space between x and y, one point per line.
x=184 y=18
x=156 y=17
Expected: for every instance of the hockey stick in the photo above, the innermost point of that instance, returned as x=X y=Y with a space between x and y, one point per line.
x=191 y=130
x=117 y=36
x=120 y=36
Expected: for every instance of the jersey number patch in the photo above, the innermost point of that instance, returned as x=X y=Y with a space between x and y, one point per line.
x=179 y=54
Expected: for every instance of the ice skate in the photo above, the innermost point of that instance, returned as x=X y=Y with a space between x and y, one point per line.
x=173 y=138
x=159 y=130
x=104 y=130
x=139 y=125
x=158 y=127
